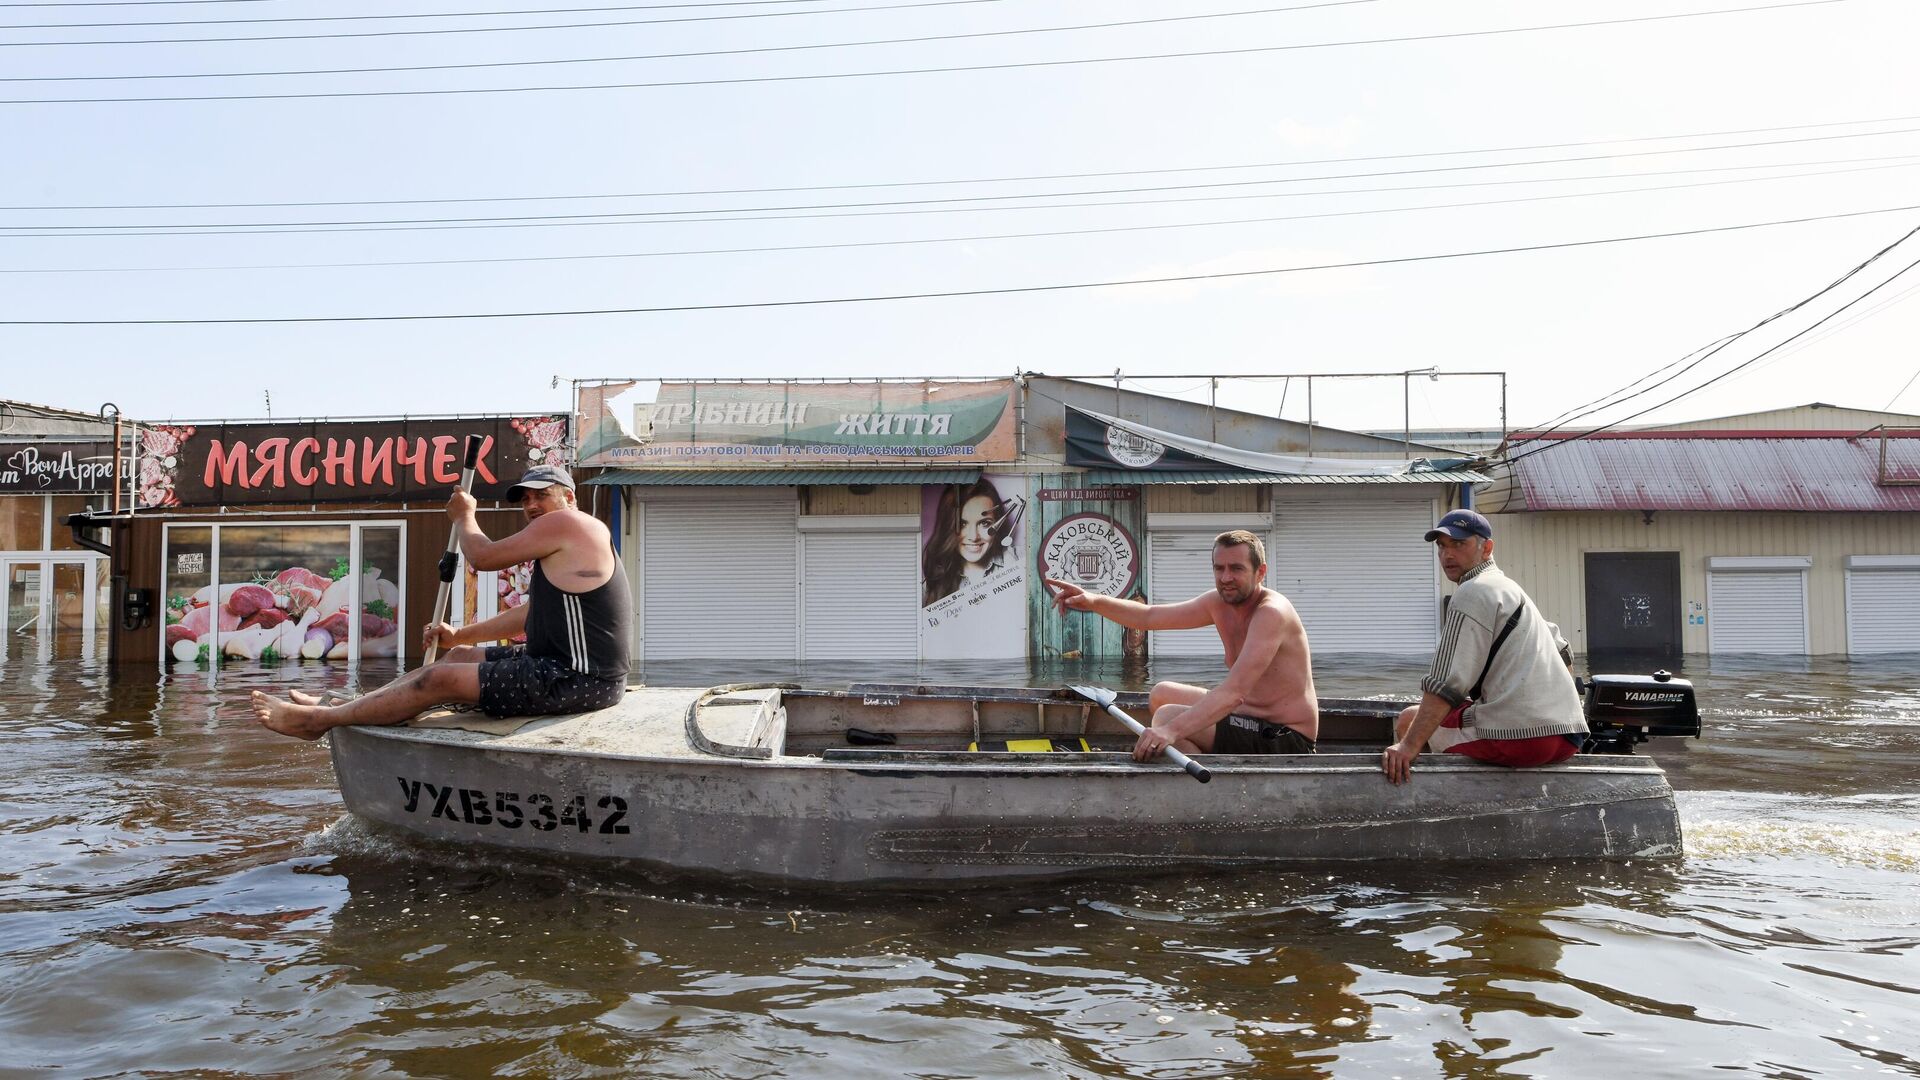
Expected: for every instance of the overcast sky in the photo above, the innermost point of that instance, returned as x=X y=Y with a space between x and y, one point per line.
x=1202 y=164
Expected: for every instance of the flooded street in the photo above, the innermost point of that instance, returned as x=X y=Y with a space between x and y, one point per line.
x=179 y=893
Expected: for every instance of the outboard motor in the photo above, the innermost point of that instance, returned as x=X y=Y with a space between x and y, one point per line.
x=1625 y=710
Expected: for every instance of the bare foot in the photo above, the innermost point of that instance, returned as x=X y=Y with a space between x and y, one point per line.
x=289 y=718
x=301 y=697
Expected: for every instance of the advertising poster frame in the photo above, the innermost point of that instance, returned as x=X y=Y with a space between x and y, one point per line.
x=974 y=571
x=1095 y=537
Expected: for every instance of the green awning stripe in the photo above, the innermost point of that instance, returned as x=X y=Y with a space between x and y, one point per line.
x=1108 y=477
x=783 y=477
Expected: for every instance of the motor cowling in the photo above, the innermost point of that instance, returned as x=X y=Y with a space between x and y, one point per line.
x=1624 y=710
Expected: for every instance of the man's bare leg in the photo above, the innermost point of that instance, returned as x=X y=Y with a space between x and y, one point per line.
x=1200 y=742
x=392 y=703
x=459 y=654
x=1173 y=693
x=1167 y=701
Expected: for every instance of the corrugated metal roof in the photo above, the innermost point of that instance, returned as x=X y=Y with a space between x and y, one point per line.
x=785 y=477
x=1831 y=474
x=1146 y=476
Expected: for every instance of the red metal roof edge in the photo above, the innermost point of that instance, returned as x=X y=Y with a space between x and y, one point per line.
x=1850 y=435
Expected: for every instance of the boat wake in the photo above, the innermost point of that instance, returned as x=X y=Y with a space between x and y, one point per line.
x=1876 y=831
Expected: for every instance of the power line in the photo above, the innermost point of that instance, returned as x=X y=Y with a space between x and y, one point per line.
x=477 y=29
x=972 y=238
x=950 y=69
x=1731 y=338
x=1707 y=352
x=806 y=212
x=1013 y=179
x=374 y=18
x=1889 y=405
x=921 y=39
x=956 y=293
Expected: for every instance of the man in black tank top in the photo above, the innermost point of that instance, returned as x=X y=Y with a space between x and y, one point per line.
x=578 y=620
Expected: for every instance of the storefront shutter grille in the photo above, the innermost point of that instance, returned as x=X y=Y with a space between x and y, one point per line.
x=1883 y=611
x=1180 y=567
x=719 y=579
x=1757 y=611
x=862 y=596
x=1359 y=573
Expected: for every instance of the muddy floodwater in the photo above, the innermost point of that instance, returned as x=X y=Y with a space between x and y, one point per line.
x=180 y=894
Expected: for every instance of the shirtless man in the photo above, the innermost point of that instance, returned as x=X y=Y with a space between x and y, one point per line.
x=1267 y=705
x=578 y=619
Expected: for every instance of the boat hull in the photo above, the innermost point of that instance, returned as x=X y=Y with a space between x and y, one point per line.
x=905 y=818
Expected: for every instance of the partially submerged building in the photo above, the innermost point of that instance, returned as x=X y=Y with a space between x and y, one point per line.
x=56 y=591
x=1787 y=532
x=916 y=519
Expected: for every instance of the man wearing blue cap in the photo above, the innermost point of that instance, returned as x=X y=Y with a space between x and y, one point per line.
x=1500 y=689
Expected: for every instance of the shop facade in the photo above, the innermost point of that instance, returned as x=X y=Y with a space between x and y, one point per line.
x=57 y=592
x=916 y=520
x=253 y=543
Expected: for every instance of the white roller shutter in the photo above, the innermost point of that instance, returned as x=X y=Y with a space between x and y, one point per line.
x=861 y=595
x=1757 y=605
x=718 y=578
x=1883 y=604
x=1358 y=572
x=1180 y=567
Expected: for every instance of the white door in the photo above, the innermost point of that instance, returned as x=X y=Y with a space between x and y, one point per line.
x=1358 y=572
x=719 y=579
x=1883 y=604
x=1180 y=567
x=1757 y=605
x=860 y=594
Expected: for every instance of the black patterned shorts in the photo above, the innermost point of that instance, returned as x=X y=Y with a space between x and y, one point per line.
x=515 y=684
x=1236 y=734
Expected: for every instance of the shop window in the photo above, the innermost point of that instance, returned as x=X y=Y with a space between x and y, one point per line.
x=23 y=522
x=380 y=592
x=484 y=594
x=273 y=593
x=188 y=597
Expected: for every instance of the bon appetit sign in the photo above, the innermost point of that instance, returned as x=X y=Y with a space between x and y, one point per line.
x=324 y=461
x=58 y=468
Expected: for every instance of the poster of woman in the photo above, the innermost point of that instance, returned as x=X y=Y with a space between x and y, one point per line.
x=973 y=573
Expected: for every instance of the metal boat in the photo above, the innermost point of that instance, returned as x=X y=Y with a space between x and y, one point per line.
x=885 y=784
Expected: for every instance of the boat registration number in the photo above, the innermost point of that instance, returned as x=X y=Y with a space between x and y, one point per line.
x=512 y=810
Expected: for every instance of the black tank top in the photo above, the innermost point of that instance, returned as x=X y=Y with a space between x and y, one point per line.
x=589 y=632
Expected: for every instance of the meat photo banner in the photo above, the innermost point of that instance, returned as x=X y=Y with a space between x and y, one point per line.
x=973 y=569
x=752 y=424
x=328 y=461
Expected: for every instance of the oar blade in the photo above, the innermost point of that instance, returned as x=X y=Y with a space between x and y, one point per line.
x=1099 y=695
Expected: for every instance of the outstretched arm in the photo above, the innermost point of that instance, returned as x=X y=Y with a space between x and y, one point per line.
x=1131 y=614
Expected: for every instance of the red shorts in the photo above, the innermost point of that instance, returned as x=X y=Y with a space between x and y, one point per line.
x=1513 y=753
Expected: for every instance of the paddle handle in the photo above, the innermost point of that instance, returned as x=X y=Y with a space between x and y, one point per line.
x=450 y=559
x=1194 y=769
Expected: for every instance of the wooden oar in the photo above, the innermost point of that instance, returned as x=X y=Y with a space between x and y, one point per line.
x=450 y=562
x=1104 y=698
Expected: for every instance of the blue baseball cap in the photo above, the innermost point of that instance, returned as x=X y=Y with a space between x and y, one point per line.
x=1461 y=524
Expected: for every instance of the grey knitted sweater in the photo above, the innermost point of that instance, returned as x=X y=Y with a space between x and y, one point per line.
x=1529 y=691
